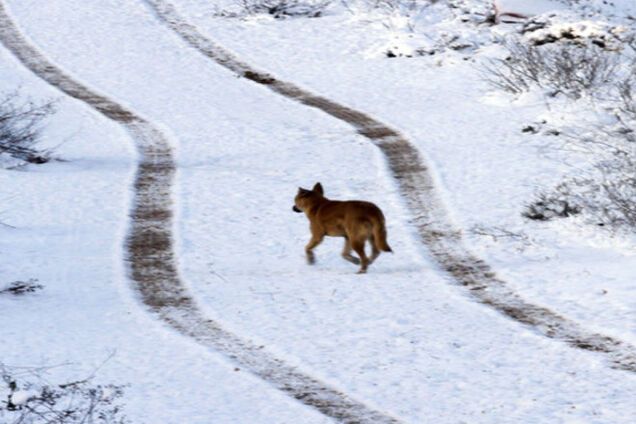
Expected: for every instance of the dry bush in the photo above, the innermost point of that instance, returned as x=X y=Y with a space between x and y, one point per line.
x=559 y=203
x=30 y=399
x=279 y=9
x=571 y=69
x=606 y=196
x=607 y=199
x=20 y=127
x=18 y=288
x=614 y=196
x=401 y=7
x=626 y=90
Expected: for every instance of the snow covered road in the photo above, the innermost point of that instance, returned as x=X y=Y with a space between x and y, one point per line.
x=401 y=339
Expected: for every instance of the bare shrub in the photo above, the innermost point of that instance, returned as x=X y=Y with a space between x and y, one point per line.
x=567 y=61
x=571 y=69
x=20 y=127
x=279 y=9
x=420 y=27
x=558 y=203
x=520 y=240
x=606 y=197
x=615 y=194
x=18 y=288
x=30 y=399
x=412 y=8
x=626 y=90
x=409 y=9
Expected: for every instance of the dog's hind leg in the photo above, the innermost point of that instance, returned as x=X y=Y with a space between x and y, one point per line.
x=315 y=241
x=358 y=246
x=346 y=252
x=375 y=252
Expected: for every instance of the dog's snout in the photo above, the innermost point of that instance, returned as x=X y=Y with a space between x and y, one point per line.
x=295 y=209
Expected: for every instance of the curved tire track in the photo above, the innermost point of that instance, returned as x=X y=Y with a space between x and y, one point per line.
x=417 y=187
x=150 y=252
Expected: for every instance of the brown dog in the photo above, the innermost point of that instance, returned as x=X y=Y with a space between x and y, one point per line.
x=354 y=220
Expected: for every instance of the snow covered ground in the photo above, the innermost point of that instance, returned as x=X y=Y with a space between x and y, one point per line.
x=70 y=219
x=402 y=338
x=487 y=167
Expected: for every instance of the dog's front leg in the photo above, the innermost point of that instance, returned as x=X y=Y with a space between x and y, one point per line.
x=315 y=241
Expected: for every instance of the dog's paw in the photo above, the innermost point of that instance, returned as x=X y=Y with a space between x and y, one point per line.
x=352 y=259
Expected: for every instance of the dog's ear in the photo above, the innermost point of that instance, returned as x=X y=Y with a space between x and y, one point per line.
x=318 y=189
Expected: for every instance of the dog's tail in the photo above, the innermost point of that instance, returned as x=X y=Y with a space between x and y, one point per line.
x=379 y=235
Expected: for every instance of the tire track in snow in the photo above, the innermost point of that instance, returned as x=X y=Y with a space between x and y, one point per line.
x=150 y=251
x=417 y=187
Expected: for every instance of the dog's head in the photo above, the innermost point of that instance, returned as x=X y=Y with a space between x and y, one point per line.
x=305 y=198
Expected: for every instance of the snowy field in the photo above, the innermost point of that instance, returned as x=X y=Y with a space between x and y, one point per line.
x=486 y=166
x=402 y=339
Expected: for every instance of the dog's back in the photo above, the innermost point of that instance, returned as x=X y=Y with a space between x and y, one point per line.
x=355 y=219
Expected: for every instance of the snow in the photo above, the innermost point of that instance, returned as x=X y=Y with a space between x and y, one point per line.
x=70 y=226
x=21 y=397
x=402 y=338
x=581 y=30
x=488 y=169
x=528 y=8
